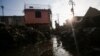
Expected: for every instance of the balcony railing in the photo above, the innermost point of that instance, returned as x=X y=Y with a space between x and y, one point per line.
x=36 y=6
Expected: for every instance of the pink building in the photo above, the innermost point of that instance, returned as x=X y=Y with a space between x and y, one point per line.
x=38 y=18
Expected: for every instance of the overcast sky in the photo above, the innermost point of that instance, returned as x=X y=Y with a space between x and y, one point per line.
x=59 y=7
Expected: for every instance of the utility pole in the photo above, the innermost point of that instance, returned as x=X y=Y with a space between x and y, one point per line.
x=72 y=27
x=24 y=4
x=58 y=19
x=2 y=7
x=58 y=27
x=72 y=4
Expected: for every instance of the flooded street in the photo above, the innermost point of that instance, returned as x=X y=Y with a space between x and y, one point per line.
x=58 y=49
x=46 y=48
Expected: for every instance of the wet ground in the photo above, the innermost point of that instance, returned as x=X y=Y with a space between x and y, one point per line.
x=58 y=48
x=43 y=48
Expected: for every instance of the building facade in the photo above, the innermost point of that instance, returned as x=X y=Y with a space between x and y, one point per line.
x=38 y=18
x=12 y=20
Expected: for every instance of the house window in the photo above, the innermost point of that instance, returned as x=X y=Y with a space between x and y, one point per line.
x=38 y=14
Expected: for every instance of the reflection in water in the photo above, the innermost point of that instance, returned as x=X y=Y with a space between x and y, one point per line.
x=58 y=50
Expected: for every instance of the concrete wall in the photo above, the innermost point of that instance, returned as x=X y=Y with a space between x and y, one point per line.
x=31 y=19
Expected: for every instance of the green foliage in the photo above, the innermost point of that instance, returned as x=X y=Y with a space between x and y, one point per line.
x=87 y=37
x=13 y=36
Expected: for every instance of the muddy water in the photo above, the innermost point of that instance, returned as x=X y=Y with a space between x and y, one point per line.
x=58 y=49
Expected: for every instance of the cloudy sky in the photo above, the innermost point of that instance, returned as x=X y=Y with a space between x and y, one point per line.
x=60 y=8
